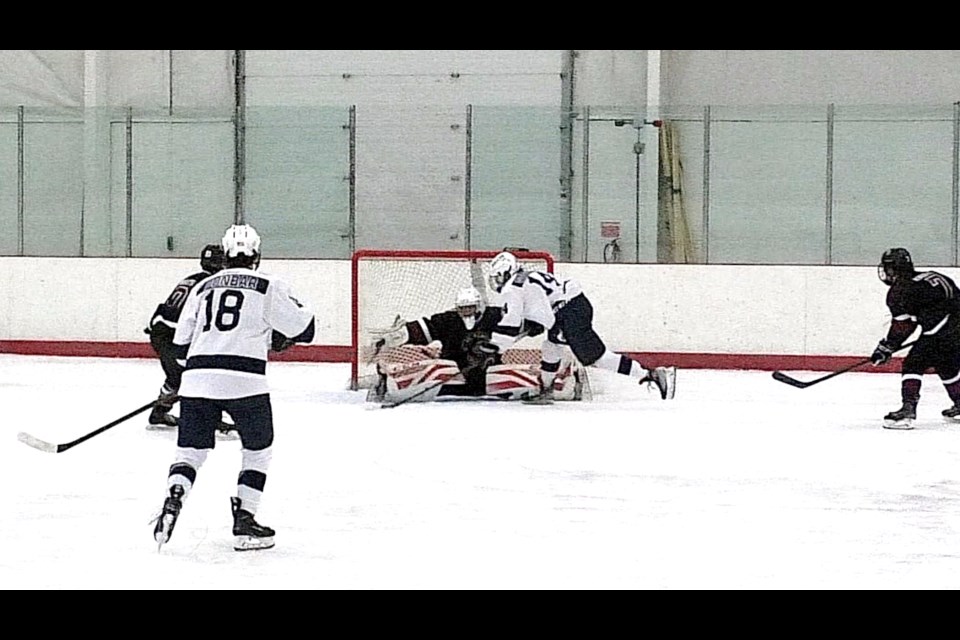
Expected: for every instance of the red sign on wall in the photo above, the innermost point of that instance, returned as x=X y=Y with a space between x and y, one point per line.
x=610 y=229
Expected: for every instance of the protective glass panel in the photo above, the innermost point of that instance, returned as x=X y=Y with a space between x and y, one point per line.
x=514 y=188
x=9 y=188
x=893 y=184
x=53 y=188
x=768 y=186
x=297 y=188
x=181 y=180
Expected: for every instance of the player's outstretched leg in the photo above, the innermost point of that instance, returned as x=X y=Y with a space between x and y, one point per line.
x=168 y=515
x=248 y=534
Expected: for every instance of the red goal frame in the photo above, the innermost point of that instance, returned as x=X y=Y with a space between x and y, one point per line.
x=386 y=254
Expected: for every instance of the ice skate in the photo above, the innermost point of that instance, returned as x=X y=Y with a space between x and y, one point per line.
x=545 y=396
x=902 y=418
x=168 y=516
x=160 y=417
x=952 y=414
x=248 y=534
x=227 y=431
x=161 y=420
x=665 y=378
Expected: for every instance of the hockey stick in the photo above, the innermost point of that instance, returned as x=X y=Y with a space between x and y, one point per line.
x=49 y=447
x=793 y=382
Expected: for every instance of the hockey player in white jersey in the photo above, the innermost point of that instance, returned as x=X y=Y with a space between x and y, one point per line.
x=225 y=332
x=538 y=301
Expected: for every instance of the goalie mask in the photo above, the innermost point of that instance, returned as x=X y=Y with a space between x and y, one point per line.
x=469 y=306
x=503 y=267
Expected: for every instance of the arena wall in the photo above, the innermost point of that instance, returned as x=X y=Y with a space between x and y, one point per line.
x=694 y=316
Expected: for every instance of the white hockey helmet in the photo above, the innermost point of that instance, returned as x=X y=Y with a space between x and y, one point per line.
x=503 y=267
x=468 y=302
x=241 y=245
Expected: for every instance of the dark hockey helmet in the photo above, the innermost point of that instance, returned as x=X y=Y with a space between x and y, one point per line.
x=895 y=264
x=211 y=258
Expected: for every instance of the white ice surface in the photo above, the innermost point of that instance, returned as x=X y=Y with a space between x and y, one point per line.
x=740 y=482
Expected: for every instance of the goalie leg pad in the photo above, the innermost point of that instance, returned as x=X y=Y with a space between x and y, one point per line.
x=512 y=381
x=425 y=377
x=519 y=381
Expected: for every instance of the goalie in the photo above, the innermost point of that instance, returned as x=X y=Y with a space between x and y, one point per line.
x=467 y=364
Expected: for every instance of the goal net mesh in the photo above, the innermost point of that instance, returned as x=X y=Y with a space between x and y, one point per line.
x=417 y=284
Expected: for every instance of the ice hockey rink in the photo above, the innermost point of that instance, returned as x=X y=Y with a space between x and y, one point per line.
x=740 y=482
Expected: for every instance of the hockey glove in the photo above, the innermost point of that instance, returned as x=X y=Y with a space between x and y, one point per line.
x=883 y=353
x=482 y=352
x=532 y=328
x=279 y=342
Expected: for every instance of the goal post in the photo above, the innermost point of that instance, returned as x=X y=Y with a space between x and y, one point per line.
x=416 y=284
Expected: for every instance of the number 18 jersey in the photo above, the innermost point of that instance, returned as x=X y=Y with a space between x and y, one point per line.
x=225 y=330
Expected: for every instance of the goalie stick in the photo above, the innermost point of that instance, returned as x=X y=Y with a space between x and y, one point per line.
x=799 y=384
x=49 y=447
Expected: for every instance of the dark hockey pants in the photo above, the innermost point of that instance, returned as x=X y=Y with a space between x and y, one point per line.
x=574 y=327
x=162 y=343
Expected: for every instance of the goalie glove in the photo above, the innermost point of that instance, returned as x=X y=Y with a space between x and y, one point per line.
x=393 y=336
x=279 y=342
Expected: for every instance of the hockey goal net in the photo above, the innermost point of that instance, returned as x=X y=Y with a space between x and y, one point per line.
x=417 y=284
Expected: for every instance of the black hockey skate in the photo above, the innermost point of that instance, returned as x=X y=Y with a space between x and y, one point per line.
x=168 y=516
x=952 y=414
x=161 y=419
x=248 y=534
x=902 y=418
x=227 y=431
x=665 y=378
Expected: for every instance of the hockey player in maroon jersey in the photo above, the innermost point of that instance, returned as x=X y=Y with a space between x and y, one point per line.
x=162 y=326
x=924 y=300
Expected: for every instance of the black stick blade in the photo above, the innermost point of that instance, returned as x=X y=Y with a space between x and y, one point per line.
x=793 y=382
